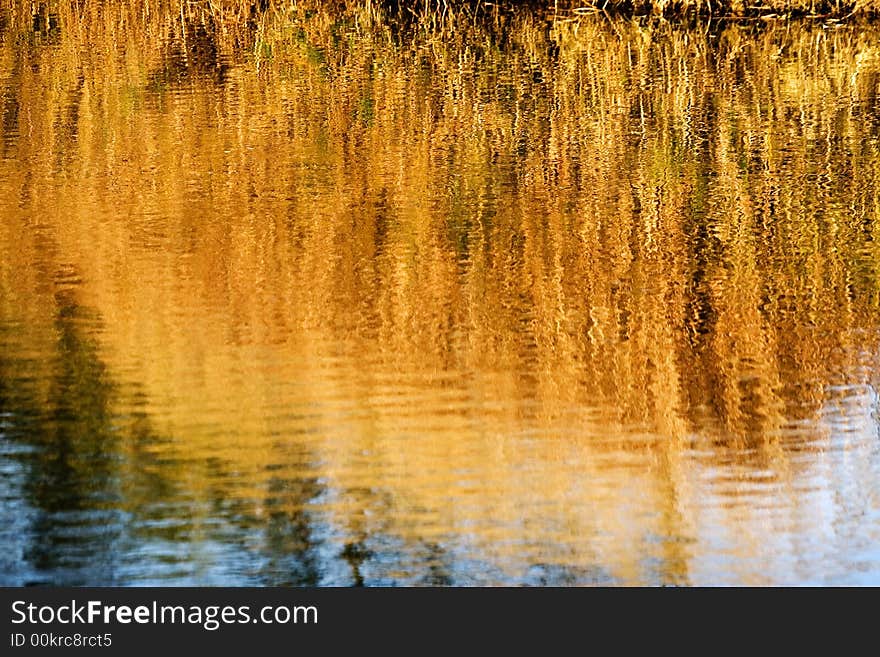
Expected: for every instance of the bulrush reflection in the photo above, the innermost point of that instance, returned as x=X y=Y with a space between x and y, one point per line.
x=512 y=300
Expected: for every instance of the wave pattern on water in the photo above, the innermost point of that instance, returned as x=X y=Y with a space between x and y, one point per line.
x=314 y=297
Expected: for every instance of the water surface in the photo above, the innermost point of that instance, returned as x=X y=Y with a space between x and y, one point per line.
x=324 y=298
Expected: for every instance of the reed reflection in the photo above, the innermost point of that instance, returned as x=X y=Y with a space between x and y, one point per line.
x=520 y=299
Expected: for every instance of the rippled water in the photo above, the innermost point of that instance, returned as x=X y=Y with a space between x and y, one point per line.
x=310 y=297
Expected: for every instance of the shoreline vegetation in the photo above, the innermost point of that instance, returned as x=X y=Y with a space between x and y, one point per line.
x=669 y=9
x=447 y=13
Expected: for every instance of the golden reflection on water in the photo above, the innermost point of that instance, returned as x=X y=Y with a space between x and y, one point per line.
x=311 y=298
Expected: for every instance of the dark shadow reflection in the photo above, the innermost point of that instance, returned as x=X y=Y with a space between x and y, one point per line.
x=192 y=53
x=70 y=476
x=98 y=498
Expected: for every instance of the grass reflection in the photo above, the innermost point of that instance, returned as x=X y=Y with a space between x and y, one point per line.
x=510 y=299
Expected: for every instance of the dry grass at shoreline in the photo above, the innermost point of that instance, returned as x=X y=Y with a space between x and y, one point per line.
x=432 y=14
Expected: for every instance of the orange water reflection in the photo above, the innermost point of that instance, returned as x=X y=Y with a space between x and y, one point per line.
x=317 y=299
